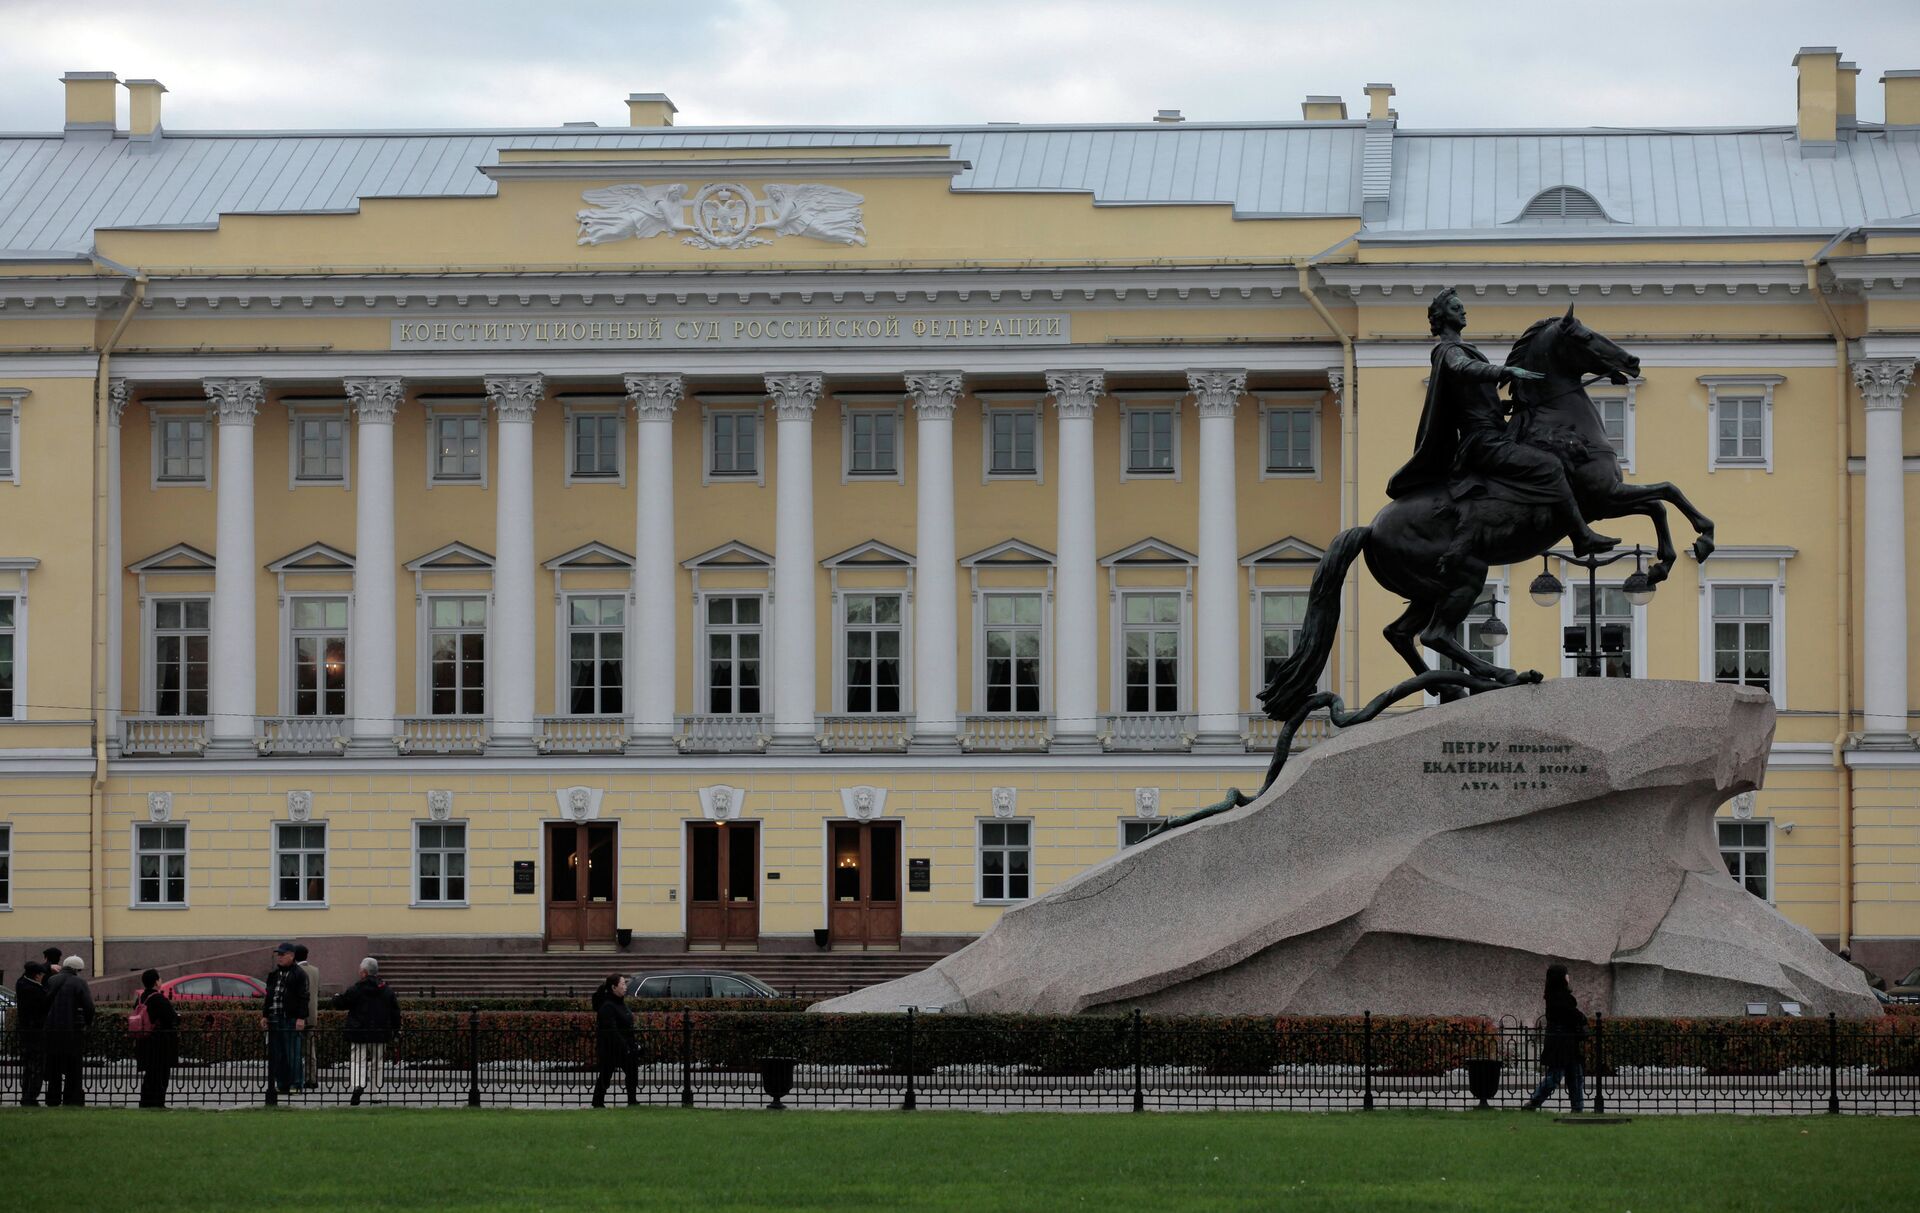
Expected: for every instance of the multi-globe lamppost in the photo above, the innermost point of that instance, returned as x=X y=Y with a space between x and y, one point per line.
x=1589 y=644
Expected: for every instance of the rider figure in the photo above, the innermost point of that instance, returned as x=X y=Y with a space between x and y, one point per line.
x=1463 y=432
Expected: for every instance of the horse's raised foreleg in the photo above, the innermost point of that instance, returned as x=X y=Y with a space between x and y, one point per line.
x=1629 y=495
x=1631 y=501
x=1403 y=634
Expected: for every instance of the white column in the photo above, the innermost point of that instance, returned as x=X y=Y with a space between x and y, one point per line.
x=370 y=640
x=936 y=636
x=515 y=727
x=653 y=630
x=116 y=564
x=1076 y=615
x=1883 y=386
x=794 y=399
x=232 y=700
x=1217 y=618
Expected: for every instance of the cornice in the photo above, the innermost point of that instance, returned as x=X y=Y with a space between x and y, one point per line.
x=782 y=168
x=1411 y=281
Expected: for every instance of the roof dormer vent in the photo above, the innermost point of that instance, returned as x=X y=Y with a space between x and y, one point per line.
x=1563 y=204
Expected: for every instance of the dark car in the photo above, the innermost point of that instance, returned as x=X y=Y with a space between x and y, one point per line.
x=700 y=983
x=1907 y=989
x=213 y=987
x=6 y=1009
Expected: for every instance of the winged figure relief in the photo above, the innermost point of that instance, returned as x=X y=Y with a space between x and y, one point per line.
x=639 y=211
x=823 y=212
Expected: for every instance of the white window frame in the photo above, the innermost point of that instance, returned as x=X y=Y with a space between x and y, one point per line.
x=1183 y=687
x=1777 y=627
x=18 y=632
x=1773 y=871
x=443 y=409
x=150 y=646
x=563 y=655
x=414 y=900
x=299 y=411
x=1257 y=672
x=992 y=403
x=702 y=688
x=1575 y=579
x=1283 y=402
x=6 y=866
x=186 y=867
x=575 y=411
x=423 y=690
x=326 y=866
x=12 y=404
x=288 y=631
x=1625 y=397
x=1134 y=404
x=1740 y=387
x=157 y=417
x=841 y=628
x=714 y=406
x=981 y=627
x=852 y=404
x=980 y=866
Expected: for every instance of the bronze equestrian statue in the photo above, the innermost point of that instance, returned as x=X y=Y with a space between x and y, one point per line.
x=1484 y=487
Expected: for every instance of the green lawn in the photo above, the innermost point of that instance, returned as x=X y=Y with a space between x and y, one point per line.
x=696 y=1160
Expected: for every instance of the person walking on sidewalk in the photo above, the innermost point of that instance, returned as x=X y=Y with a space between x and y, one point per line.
x=373 y=1017
x=157 y=1052
x=30 y=1030
x=69 y=1015
x=283 y=1013
x=613 y=1039
x=1560 y=1057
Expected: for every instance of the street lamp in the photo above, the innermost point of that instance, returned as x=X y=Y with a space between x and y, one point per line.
x=1494 y=629
x=1587 y=644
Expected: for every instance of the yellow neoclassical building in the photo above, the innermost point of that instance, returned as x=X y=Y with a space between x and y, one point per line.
x=797 y=537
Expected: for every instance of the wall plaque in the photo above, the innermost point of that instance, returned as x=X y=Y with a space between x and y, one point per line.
x=788 y=328
x=919 y=875
x=523 y=876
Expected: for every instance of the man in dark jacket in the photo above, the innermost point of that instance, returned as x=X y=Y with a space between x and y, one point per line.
x=1560 y=1056
x=283 y=1013
x=30 y=1028
x=613 y=1039
x=69 y=1014
x=373 y=1016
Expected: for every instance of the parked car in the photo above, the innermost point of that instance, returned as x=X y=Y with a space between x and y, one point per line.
x=213 y=987
x=6 y=1009
x=700 y=983
x=1907 y=989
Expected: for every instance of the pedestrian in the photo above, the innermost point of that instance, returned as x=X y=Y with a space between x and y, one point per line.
x=283 y=1013
x=69 y=1014
x=1560 y=1056
x=613 y=1039
x=52 y=957
x=1874 y=980
x=373 y=1017
x=160 y=1048
x=312 y=1068
x=30 y=1029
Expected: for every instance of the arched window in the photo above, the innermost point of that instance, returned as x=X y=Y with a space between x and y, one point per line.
x=1563 y=204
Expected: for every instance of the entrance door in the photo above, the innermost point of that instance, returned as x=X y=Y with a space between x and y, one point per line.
x=723 y=885
x=582 y=885
x=863 y=887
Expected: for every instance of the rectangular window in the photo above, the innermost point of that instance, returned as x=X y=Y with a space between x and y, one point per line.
x=1006 y=860
x=870 y=443
x=7 y=469
x=1014 y=450
x=1281 y=614
x=596 y=446
x=180 y=656
x=736 y=446
x=733 y=655
x=9 y=640
x=1615 y=612
x=1150 y=640
x=596 y=654
x=440 y=862
x=457 y=644
x=1743 y=635
x=1740 y=436
x=1290 y=439
x=1135 y=831
x=319 y=656
x=1012 y=645
x=320 y=451
x=300 y=863
x=459 y=448
x=873 y=653
x=1150 y=441
x=6 y=865
x=160 y=865
x=1613 y=420
x=1744 y=848
x=182 y=449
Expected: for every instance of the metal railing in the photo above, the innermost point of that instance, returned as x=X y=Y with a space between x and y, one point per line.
x=1006 y=734
x=441 y=734
x=162 y=735
x=865 y=734
x=1150 y=731
x=583 y=734
x=302 y=735
x=1262 y=733
x=724 y=734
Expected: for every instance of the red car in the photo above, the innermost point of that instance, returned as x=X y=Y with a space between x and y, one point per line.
x=213 y=987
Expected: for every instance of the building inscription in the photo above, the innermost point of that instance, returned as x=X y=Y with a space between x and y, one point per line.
x=746 y=330
x=1494 y=766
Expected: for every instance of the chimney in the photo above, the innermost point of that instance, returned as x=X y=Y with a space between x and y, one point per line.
x=650 y=109
x=1903 y=97
x=1169 y=116
x=1847 y=106
x=92 y=98
x=143 y=108
x=1323 y=109
x=1377 y=110
x=1818 y=120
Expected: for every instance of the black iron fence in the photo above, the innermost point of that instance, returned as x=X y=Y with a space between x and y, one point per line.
x=907 y=1061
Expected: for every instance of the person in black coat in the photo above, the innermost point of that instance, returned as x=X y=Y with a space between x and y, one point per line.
x=283 y=1015
x=373 y=1018
x=156 y=1053
x=613 y=1039
x=69 y=1015
x=30 y=1030
x=1560 y=1057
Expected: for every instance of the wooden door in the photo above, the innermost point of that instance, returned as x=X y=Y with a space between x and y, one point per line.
x=863 y=885
x=723 y=885
x=583 y=870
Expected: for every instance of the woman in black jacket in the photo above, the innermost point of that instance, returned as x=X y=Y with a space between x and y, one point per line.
x=157 y=1052
x=613 y=1039
x=1561 y=1056
x=373 y=1019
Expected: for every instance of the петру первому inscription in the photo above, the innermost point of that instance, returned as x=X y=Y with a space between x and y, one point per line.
x=1484 y=759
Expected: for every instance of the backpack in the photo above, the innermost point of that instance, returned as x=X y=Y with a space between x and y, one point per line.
x=139 y=1023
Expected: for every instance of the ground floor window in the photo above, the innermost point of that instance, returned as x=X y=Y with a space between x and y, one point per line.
x=300 y=863
x=1006 y=860
x=1135 y=832
x=160 y=865
x=1746 y=847
x=440 y=862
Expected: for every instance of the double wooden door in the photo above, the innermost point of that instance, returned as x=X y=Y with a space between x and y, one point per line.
x=583 y=882
x=863 y=885
x=723 y=884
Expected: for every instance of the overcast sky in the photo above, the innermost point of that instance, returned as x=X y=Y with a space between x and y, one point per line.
x=474 y=63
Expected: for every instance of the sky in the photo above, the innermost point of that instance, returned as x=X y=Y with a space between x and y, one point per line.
x=482 y=63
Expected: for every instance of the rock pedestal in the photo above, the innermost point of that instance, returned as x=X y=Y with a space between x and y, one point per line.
x=1434 y=863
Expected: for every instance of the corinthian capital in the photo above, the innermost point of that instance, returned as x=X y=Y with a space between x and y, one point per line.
x=235 y=401
x=654 y=396
x=933 y=393
x=794 y=396
x=375 y=398
x=1075 y=393
x=515 y=397
x=1217 y=393
x=1883 y=381
x=118 y=393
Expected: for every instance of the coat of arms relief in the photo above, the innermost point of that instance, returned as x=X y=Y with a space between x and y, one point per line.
x=722 y=215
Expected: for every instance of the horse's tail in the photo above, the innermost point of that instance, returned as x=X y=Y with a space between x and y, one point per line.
x=1299 y=675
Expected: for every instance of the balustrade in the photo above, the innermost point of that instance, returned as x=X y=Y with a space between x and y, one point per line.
x=723 y=734
x=865 y=734
x=302 y=735
x=1029 y=734
x=1149 y=731
x=143 y=736
x=583 y=734
x=442 y=734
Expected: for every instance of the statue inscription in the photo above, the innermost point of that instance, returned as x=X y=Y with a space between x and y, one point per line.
x=1485 y=758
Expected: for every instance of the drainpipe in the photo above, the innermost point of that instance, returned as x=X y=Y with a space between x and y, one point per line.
x=1349 y=463
x=1843 y=546
x=97 y=791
